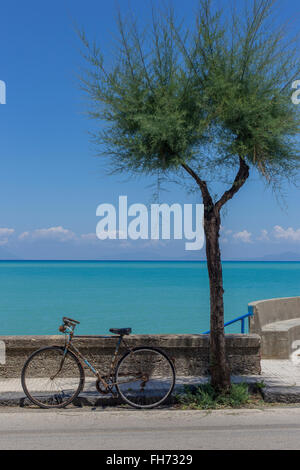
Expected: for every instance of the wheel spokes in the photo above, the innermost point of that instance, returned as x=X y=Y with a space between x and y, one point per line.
x=51 y=378
x=145 y=378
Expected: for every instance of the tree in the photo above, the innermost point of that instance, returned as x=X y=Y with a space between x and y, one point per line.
x=203 y=103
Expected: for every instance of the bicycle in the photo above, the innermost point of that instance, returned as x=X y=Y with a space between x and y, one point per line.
x=53 y=377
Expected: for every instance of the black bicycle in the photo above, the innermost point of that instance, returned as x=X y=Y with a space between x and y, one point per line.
x=53 y=377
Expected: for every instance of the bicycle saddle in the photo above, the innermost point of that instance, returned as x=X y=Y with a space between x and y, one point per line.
x=120 y=331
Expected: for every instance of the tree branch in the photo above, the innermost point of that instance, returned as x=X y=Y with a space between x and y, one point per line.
x=207 y=199
x=125 y=44
x=240 y=179
x=139 y=47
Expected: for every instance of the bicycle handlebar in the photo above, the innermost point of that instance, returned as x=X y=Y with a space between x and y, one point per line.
x=70 y=320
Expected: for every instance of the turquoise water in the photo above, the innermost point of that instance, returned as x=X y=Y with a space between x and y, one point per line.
x=150 y=297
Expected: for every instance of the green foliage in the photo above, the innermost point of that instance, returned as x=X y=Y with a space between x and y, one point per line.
x=260 y=385
x=247 y=78
x=204 y=397
x=151 y=111
x=172 y=95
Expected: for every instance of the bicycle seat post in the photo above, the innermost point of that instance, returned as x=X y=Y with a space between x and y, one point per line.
x=115 y=355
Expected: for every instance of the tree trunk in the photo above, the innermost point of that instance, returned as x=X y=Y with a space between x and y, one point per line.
x=220 y=373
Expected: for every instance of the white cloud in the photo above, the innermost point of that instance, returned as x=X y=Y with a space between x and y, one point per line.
x=264 y=236
x=225 y=234
x=243 y=236
x=287 y=234
x=24 y=235
x=89 y=236
x=52 y=233
x=225 y=231
x=111 y=235
x=5 y=233
x=62 y=234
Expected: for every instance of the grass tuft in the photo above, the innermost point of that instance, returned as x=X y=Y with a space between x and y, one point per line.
x=204 y=397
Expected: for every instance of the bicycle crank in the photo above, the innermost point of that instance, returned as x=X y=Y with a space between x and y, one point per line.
x=104 y=390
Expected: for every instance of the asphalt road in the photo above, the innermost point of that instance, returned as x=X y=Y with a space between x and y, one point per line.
x=119 y=429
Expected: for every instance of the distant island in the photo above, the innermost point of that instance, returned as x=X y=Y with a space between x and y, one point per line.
x=287 y=256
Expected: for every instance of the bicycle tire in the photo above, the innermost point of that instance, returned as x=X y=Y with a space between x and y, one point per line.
x=159 y=386
x=37 y=379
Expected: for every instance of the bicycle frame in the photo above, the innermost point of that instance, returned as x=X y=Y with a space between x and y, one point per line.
x=69 y=346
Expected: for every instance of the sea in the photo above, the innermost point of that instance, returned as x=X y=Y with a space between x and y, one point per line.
x=151 y=297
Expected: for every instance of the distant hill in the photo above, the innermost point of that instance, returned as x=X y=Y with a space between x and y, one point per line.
x=287 y=256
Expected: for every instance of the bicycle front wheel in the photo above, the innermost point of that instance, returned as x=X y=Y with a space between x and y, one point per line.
x=51 y=378
x=145 y=377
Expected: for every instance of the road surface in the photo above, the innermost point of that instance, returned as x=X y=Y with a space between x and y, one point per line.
x=119 y=429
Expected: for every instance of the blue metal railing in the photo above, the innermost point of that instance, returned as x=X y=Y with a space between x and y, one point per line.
x=241 y=319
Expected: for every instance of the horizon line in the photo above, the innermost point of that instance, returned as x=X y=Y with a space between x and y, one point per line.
x=149 y=260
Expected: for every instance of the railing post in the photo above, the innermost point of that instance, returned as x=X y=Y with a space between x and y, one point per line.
x=241 y=319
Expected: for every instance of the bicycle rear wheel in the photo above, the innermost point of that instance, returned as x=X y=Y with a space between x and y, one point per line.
x=145 y=377
x=52 y=379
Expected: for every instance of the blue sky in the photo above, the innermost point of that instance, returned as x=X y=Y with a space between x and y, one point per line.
x=50 y=179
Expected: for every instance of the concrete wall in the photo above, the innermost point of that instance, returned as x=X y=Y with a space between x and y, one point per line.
x=190 y=353
x=277 y=321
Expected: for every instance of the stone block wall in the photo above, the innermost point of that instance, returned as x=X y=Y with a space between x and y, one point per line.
x=190 y=353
